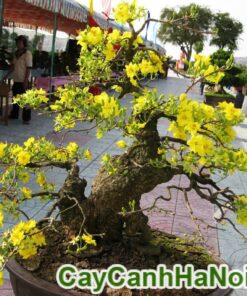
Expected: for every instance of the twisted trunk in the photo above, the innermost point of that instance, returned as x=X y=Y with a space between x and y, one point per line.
x=111 y=193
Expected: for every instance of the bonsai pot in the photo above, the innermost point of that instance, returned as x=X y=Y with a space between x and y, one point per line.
x=213 y=99
x=24 y=283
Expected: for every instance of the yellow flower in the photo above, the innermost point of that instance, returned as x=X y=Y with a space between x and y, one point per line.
x=87 y=154
x=131 y=70
x=117 y=88
x=202 y=161
x=126 y=35
x=110 y=106
x=138 y=41
x=184 y=117
x=1 y=278
x=72 y=149
x=133 y=81
x=27 y=248
x=94 y=36
x=27 y=192
x=60 y=155
x=109 y=52
x=192 y=127
x=88 y=239
x=146 y=67
x=178 y=132
x=39 y=239
x=23 y=158
x=230 y=112
x=29 y=225
x=208 y=111
x=183 y=97
x=24 y=176
x=16 y=149
x=121 y=144
x=114 y=36
x=122 y=13
x=17 y=236
x=201 y=145
x=230 y=133
x=2 y=148
x=106 y=158
x=41 y=179
x=29 y=142
x=1 y=218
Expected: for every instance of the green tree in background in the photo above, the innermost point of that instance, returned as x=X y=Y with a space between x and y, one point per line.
x=191 y=22
x=198 y=46
x=228 y=31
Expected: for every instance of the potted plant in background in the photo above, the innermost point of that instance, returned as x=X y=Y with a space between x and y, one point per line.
x=109 y=225
x=234 y=76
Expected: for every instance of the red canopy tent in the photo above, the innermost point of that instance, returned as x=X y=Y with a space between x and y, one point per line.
x=71 y=16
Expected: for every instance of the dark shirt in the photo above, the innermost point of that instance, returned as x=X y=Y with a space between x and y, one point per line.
x=239 y=100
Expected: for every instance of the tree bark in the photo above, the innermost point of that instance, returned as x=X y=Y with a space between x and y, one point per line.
x=111 y=193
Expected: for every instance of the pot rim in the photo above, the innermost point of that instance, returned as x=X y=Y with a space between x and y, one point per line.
x=16 y=269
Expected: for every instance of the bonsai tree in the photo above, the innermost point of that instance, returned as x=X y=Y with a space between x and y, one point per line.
x=234 y=75
x=110 y=218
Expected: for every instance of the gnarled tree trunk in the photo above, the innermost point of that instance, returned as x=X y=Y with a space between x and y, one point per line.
x=111 y=193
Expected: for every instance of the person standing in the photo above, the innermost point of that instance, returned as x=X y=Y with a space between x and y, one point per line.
x=21 y=70
x=239 y=98
x=181 y=62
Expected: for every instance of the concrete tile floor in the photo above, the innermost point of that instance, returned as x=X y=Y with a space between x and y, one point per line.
x=222 y=240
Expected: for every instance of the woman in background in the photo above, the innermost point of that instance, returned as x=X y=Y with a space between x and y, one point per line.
x=21 y=70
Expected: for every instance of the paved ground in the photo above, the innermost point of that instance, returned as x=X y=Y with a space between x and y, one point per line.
x=221 y=239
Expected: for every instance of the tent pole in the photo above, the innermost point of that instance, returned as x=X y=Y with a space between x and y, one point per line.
x=53 y=49
x=1 y=18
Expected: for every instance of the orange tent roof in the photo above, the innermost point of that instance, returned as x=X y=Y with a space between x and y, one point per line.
x=19 y=11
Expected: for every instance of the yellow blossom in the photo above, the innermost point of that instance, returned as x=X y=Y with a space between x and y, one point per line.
x=29 y=225
x=23 y=158
x=114 y=36
x=201 y=145
x=24 y=176
x=88 y=239
x=72 y=149
x=230 y=112
x=183 y=97
x=1 y=278
x=133 y=81
x=110 y=106
x=87 y=154
x=178 y=132
x=131 y=70
x=29 y=142
x=192 y=127
x=146 y=67
x=41 y=179
x=27 y=192
x=109 y=52
x=126 y=35
x=184 y=117
x=17 y=236
x=121 y=144
x=2 y=149
x=39 y=239
x=1 y=218
x=138 y=41
x=27 y=248
x=94 y=36
x=122 y=13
